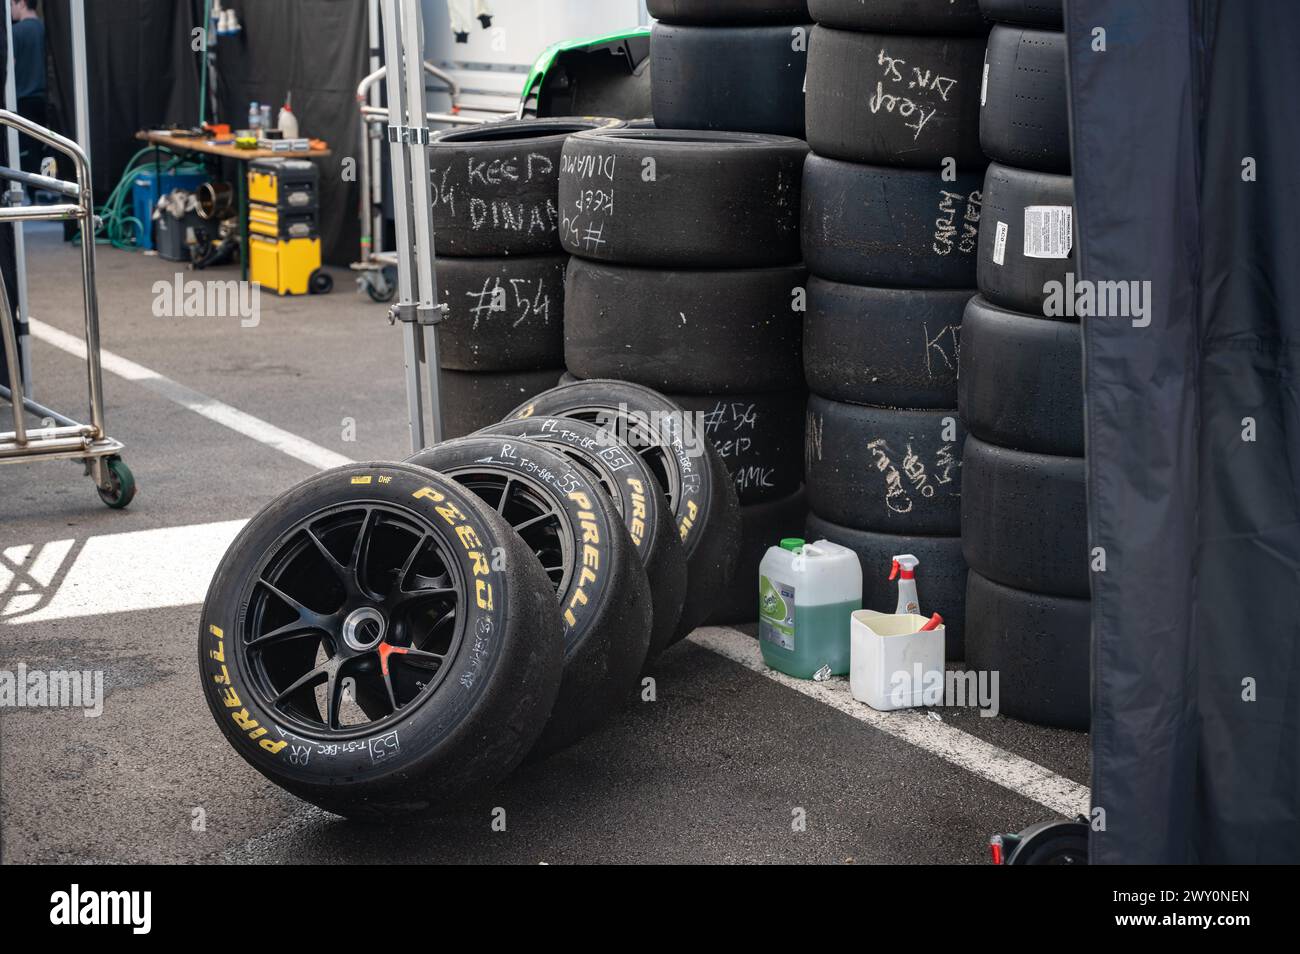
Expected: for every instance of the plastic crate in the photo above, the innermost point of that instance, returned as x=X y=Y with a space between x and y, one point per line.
x=145 y=194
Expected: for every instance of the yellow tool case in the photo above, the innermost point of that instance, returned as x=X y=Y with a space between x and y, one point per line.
x=289 y=266
x=280 y=223
x=286 y=183
x=283 y=241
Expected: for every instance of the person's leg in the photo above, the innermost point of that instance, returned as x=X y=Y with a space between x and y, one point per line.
x=31 y=151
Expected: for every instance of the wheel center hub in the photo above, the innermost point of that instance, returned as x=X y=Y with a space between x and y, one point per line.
x=364 y=629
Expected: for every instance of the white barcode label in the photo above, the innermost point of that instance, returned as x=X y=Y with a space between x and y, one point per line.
x=1047 y=231
x=1000 y=244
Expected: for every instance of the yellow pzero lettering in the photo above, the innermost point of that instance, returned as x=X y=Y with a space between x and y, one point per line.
x=273 y=746
x=468 y=536
x=481 y=565
x=362 y=480
x=216 y=631
x=581 y=499
x=528 y=411
x=450 y=513
x=428 y=493
x=244 y=720
x=231 y=698
x=483 y=594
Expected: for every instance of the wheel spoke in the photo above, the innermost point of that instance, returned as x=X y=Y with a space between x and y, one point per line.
x=333 y=698
x=294 y=630
x=521 y=527
x=411 y=558
x=310 y=678
x=404 y=599
x=505 y=495
x=361 y=550
x=423 y=659
x=330 y=559
x=304 y=614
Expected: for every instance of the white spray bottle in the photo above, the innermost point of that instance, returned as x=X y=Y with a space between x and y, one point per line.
x=904 y=568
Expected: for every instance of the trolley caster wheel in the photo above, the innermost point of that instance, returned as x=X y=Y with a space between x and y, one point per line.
x=121 y=490
x=384 y=287
x=1047 y=843
x=320 y=283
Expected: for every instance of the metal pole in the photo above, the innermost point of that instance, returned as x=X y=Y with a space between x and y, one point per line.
x=422 y=220
x=81 y=101
x=80 y=95
x=20 y=245
x=408 y=136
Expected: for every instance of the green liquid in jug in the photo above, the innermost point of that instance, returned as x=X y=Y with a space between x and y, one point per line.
x=799 y=643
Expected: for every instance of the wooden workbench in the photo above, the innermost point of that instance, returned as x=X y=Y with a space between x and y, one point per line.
x=202 y=146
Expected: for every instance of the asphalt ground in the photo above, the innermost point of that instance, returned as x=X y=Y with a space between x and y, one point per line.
x=725 y=765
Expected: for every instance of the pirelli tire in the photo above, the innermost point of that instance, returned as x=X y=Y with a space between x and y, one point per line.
x=471 y=400
x=578 y=538
x=1024 y=519
x=633 y=490
x=671 y=328
x=894 y=228
x=895 y=100
x=761 y=525
x=900 y=16
x=1021 y=384
x=940 y=577
x=729 y=12
x=357 y=649
x=1038 y=645
x=1025 y=118
x=690 y=472
x=681 y=198
x=503 y=313
x=893 y=347
x=747 y=78
x=885 y=469
x=1026 y=237
x=493 y=186
x=1048 y=14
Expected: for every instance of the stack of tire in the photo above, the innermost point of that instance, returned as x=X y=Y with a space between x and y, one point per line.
x=738 y=65
x=499 y=265
x=1023 y=507
x=386 y=638
x=686 y=277
x=733 y=65
x=891 y=211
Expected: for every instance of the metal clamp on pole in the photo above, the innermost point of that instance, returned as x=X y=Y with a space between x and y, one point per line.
x=408 y=135
x=417 y=306
x=419 y=314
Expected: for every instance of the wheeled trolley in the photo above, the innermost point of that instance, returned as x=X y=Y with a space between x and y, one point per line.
x=61 y=438
x=377 y=269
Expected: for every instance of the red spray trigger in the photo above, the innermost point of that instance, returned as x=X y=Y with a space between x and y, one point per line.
x=893 y=569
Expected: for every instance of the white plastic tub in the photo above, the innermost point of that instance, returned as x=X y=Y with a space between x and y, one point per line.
x=893 y=662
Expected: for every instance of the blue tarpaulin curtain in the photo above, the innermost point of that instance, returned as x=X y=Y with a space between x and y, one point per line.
x=1185 y=131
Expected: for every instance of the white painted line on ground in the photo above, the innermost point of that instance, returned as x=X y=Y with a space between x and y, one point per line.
x=296 y=447
x=112 y=573
x=976 y=756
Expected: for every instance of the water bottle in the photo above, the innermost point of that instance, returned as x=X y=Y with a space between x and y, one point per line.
x=254 y=116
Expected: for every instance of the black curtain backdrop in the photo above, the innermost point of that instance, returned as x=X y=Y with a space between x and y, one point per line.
x=317 y=50
x=1184 y=140
x=141 y=73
